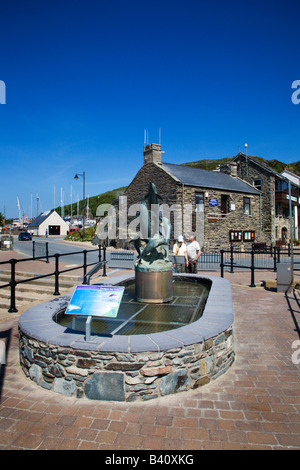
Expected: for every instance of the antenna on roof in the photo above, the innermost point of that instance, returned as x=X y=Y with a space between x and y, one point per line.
x=146 y=137
x=159 y=136
x=246 y=146
x=37 y=204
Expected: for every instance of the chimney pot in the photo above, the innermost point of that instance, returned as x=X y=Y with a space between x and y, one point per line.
x=152 y=153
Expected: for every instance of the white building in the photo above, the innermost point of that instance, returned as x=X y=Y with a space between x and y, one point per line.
x=295 y=181
x=48 y=223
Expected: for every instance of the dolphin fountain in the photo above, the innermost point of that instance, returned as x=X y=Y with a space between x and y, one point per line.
x=153 y=269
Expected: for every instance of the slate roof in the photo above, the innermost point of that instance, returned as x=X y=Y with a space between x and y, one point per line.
x=207 y=179
x=40 y=219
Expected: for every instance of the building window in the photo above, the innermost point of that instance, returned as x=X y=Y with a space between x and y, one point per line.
x=199 y=199
x=249 y=236
x=247 y=206
x=257 y=184
x=285 y=212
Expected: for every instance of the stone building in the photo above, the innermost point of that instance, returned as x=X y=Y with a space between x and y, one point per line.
x=219 y=208
x=274 y=189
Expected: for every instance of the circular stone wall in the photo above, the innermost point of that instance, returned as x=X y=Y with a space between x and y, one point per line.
x=128 y=368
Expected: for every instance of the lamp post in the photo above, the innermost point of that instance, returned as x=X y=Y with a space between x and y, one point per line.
x=76 y=177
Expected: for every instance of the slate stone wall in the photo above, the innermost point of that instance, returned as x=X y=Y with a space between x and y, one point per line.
x=125 y=376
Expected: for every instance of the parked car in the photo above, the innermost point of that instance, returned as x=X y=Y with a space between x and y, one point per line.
x=74 y=229
x=23 y=236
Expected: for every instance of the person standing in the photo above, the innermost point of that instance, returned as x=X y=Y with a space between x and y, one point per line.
x=193 y=253
x=179 y=249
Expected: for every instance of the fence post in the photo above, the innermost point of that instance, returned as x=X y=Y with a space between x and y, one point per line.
x=275 y=259
x=231 y=258
x=278 y=254
x=56 y=273
x=47 y=253
x=252 y=270
x=222 y=263
x=33 y=249
x=99 y=253
x=104 y=261
x=12 y=308
x=84 y=267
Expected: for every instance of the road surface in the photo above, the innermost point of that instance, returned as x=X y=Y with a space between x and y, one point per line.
x=56 y=245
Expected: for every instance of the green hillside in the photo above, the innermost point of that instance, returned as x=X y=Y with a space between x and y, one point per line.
x=273 y=163
x=94 y=202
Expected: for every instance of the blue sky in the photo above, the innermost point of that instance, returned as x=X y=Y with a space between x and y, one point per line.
x=85 y=78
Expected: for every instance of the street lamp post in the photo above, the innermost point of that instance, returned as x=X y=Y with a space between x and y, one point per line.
x=76 y=177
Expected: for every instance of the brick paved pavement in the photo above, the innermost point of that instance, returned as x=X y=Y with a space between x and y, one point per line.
x=255 y=405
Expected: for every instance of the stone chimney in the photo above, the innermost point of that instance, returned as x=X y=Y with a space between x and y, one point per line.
x=152 y=153
x=229 y=168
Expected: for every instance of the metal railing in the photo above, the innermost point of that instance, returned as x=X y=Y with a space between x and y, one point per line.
x=56 y=273
x=253 y=260
x=232 y=259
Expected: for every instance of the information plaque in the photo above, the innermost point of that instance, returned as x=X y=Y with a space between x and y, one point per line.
x=96 y=301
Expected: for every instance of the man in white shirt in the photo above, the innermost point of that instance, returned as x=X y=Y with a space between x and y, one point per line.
x=193 y=253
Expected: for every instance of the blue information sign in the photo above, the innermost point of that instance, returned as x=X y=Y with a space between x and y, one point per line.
x=213 y=202
x=96 y=301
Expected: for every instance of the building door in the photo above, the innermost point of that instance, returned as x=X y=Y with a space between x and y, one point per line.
x=54 y=229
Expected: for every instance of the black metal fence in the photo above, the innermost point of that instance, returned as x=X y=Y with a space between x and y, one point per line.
x=253 y=260
x=231 y=260
x=56 y=273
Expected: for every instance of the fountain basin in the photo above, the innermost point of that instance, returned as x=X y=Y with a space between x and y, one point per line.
x=129 y=367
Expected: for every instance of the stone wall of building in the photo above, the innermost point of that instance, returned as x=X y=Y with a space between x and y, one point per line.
x=211 y=228
x=250 y=171
x=151 y=173
x=217 y=225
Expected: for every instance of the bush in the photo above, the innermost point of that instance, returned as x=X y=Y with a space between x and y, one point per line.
x=89 y=234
